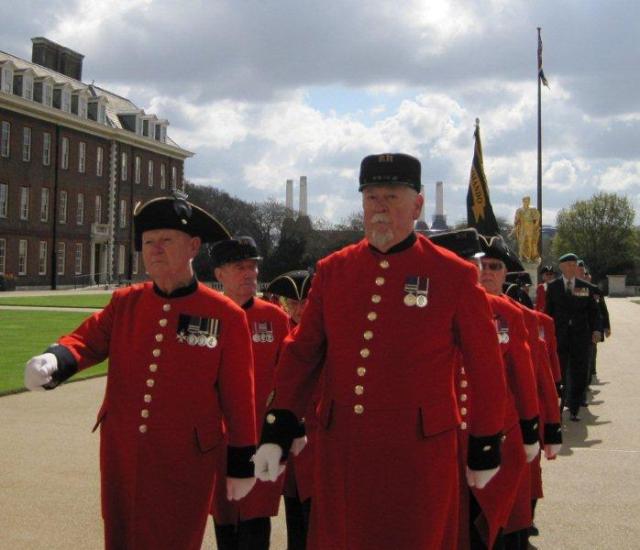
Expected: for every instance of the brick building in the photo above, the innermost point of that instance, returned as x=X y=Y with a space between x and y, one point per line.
x=74 y=160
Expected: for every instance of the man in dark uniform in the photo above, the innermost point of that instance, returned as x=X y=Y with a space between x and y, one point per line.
x=572 y=304
x=385 y=322
x=246 y=525
x=180 y=376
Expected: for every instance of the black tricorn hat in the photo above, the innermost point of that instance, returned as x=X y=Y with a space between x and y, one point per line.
x=390 y=169
x=293 y=284
x=519 y=278
x=236 y=249
x=495 y=247
x=175 y=212
x=464 y=242
x=547 y=269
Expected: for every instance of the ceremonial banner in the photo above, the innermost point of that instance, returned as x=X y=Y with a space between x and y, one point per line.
x=540 y=71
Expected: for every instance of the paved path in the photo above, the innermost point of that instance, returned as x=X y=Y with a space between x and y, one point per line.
x=49 y=484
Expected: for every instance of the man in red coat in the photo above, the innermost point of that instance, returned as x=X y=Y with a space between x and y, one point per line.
x=548 y=274
x=247 y=524
x=385 y=321
x=180 y=373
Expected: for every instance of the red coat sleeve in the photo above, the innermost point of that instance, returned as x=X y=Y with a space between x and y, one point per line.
x=549 y=408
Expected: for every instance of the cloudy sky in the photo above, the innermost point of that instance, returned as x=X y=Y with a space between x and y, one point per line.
x=268 y=90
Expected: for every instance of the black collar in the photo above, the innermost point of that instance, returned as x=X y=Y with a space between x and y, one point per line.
x=402 y=245
x=178 y=292
x=247 y=304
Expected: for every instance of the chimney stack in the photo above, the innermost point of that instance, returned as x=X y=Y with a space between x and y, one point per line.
x=303 y=196
x=56 y=57
x=289 y=195
x=439 y=219
x=422 y=218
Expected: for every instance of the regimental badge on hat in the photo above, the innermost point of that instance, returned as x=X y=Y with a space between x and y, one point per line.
x=502 y=329
x=390 y=169
x=416 y=291
x=175 y=212
x=198 y=331
x=262 y=332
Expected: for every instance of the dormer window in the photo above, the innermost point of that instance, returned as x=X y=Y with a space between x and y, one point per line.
x=65 y=102
x=62 y=97
x=27 y=87
x=96 y=110
x=149 y=126
x=47 y=94
x=161 y=131
x=43 y=91
x=79 y=103
x=7 y=78
x=23 y=83
x=132 y=121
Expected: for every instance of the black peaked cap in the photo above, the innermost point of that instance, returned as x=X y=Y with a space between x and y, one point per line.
x=390 y=169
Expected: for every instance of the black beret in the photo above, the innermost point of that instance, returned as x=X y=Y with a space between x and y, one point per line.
x=569 y=257
x=390 y=169
x=519 y=278
x=495 y=247
x=234 y=250
x=175 y=212
x=293 y=284
x=463 y=242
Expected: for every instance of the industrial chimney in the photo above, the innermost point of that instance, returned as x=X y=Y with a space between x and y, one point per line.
x=439 y=219
x=303 y=196
x=289 y=195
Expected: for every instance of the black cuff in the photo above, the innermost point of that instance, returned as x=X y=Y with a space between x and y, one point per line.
x=300 y=430
x=281 y=427
x=559 y=389
x=67 y=366
x=529 y=429
x=239 y=461
x=484 y=452
x=552 y=434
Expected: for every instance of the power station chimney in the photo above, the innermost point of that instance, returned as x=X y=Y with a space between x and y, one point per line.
x=439 y=219
x=303 y=196
x=289 y=195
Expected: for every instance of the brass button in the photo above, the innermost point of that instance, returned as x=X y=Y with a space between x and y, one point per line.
x=379 y=281
x=486 y=448
x=361 y=371
x=150 y=382
x=142 y=428
x=463 y=411
x=159 y=337
x=358 y=409
x=147 y=398
x=368 y=334
x=464 y=384
x=364 y=353
x=372 y=316
x=535 y=426
x=463 y=426
x=359 y=390
x=156 y=352
x=153 y=367
x=144 y=413
x=166 y=307
x=384 y=264
x=463 y=397
x=271 y=418
x=376 y=298
x=163 y=322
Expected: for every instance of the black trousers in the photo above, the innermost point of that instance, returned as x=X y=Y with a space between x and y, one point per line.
x=574 y=361
x=297 y=516
x=252 y=534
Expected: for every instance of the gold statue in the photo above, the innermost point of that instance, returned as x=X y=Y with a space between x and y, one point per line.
x=526 y=228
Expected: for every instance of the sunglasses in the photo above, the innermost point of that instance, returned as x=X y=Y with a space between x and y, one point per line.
x=492 y=266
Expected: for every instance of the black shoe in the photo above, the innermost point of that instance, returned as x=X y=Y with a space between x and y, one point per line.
x=574 y=418
x=533 y=530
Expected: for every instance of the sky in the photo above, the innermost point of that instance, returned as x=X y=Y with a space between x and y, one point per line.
x=268 y=90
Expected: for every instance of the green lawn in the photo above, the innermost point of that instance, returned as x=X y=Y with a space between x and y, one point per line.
x=62 y=300
x=24 y=334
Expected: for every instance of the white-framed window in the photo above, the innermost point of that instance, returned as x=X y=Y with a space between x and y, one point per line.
x=99 y=160
x=123 y=166
x=150 y=173
x=62 y=207
x=7 y=80
x=64 y=154
x=46 y=148
x=123 y=213
x=82 y=156
x=163 y=176
x=138 y=169
x=98 y=213
x=26 y=144
x=27 y=87
x=174 y=178
x=102 y=113
x=65 y=100
x=121 y=258
x=24 y=203
x=78 y=262
x=4 y=200
x=80 y=209
x=83 y=107
x=5 y=139
x=47 y=94
x=134 y=262
x=44 y=204
x=42 y=258
x=3 y=255
x=22 y=257
x=60 y=258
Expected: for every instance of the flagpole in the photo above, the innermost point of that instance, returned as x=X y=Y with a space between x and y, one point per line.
x=539 y=203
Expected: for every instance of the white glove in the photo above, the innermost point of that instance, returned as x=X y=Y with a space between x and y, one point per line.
x=38 y=371
x=239 y=487
x=266 y=462
x=298 y=444
x=551 y=451
x=480 y=478
x=532 y=451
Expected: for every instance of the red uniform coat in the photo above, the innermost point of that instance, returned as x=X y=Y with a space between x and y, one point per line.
x=548 y=334
x=541 y=296
x=177 y=367
x=269 y=325
x=385 y=471
x=497 y=499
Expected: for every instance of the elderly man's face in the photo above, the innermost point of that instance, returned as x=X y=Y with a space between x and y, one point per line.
x=389 y=213
x=167 y=254
x=493 y=275
x=569 y=269
x=239 y=279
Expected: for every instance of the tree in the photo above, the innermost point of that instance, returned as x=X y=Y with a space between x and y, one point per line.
x=600 y=231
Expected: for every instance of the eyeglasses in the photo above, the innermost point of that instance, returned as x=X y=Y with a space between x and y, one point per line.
x=492 y=266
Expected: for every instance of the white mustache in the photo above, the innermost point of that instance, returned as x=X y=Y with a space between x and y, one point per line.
x=380 y=218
